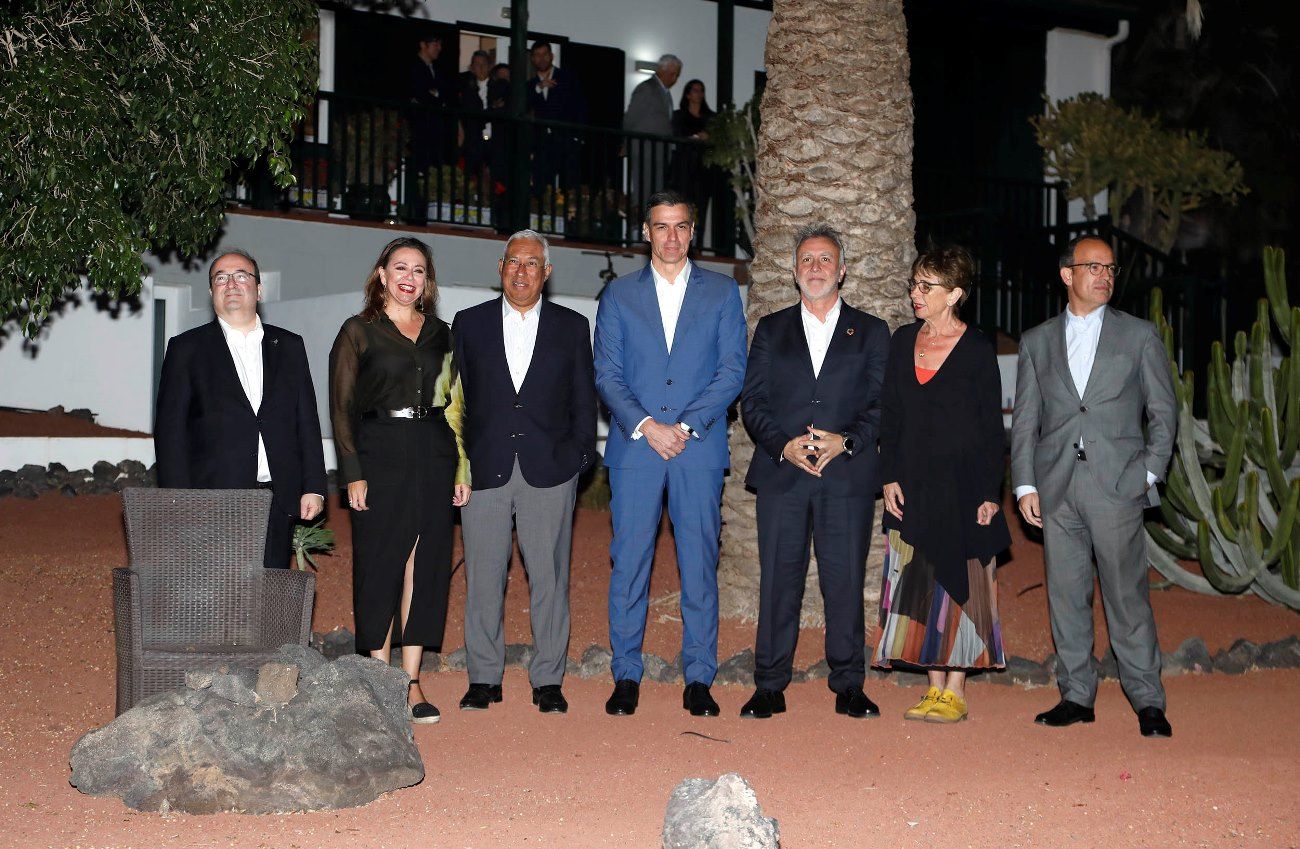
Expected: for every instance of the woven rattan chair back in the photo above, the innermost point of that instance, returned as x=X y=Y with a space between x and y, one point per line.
x=196 y=527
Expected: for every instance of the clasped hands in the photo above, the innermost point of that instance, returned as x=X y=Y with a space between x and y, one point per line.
x=667 y=440
x=811 y=451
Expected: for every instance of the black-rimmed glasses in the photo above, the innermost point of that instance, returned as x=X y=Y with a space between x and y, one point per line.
x=1096 y=268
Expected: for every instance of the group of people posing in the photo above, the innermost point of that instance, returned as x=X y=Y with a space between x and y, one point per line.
x=496 y=415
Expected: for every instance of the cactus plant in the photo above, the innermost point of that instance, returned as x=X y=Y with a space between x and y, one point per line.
x=1233 y=487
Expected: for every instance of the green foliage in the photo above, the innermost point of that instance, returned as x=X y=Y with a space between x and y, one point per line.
x=1234 y=486
x=733 y=147
x=1092 y=144
x=121 y=119
x=311 y=539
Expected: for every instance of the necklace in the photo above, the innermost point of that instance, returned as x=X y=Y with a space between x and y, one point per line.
x=930 y=345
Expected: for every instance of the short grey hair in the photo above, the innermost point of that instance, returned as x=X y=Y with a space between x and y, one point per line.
x=532 y=235
x=820 y=230
x=668 y=60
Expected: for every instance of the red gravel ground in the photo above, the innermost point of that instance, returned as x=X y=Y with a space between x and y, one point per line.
x=511 y=777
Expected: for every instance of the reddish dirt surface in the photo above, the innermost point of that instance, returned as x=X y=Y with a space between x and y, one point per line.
x=511 y=777
x=55 y=424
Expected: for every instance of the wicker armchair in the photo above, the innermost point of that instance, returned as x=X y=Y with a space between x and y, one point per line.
x=196 y=595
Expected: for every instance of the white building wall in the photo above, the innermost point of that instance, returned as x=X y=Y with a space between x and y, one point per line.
x=99 y=358
x=1078 y=62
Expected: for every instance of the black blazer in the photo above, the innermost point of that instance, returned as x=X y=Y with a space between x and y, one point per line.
x=564 y=102
x=551 y=422
x=782 y=397
x=205 y=431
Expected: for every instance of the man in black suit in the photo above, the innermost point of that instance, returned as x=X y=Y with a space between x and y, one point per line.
x=236 y=407
x=554 y=95
x=428 y=93
x=530 y=430
x=475 y=97
x=812 y=403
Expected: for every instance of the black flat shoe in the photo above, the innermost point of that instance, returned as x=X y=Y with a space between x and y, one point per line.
x=550 y=699
x=480 y=696
x=763 y=704
x=1152 y=723
x=423 y=713
x=624 y=700
x=853 y=702
x=1065 y=713
x=697 y=699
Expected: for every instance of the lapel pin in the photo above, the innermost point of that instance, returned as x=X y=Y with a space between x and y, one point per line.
x=275 y=341
x=849 y=331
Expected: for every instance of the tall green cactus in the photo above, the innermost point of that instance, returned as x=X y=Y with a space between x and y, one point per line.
x=1233 y=487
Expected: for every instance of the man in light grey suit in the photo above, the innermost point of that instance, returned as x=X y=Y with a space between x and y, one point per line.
x=1084 y=472
x=650 y=111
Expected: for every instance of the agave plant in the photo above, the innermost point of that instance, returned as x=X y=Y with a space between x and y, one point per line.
x=1233 y=488
x=309 y=539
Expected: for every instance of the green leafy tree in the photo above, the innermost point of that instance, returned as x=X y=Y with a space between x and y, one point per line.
x=121 y=120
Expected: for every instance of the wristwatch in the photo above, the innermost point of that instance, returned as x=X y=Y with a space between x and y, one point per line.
x=850 y=444
x=690 y=431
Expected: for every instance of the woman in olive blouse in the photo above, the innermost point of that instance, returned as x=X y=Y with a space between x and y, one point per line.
x=395 y=403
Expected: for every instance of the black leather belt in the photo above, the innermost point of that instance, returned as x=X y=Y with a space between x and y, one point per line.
x=404 y=413
x=265 y=485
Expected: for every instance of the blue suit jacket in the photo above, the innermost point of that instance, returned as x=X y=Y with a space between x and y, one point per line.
x=637 y=376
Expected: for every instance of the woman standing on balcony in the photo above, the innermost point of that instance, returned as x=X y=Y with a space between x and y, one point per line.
x=395 y=404
x=942 y=457
x=689 y=174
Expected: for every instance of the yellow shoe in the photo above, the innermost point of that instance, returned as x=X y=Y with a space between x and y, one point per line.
x=950 y=708
x=921 y=708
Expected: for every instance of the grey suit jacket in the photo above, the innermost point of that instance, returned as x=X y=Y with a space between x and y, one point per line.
x=650 y=110
x=1130 y=375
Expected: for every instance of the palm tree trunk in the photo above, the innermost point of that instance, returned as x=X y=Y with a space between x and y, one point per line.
x=835 y=145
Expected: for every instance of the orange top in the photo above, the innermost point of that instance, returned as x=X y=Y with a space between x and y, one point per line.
x=923 y=375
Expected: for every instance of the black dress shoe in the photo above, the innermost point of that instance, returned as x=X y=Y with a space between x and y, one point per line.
x=855 y=703
x=1152 y=723
x=549 y=699
x=763 y=704
x=698 y=701
x=480 y=696
x=623 y=702
x=1066 y=712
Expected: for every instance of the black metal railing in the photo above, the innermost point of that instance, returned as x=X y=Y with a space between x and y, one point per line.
x=388 y=160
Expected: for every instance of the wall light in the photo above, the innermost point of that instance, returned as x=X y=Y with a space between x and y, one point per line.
x=646 y=67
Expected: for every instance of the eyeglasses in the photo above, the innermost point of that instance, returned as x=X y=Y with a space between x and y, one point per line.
x=1096 y=268
x=242 y=278
x=922 y=285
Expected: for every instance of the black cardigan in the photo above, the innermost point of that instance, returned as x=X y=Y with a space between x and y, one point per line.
x=943 y=443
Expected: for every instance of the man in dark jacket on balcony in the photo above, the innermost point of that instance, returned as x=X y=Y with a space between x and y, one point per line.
x=554 y=95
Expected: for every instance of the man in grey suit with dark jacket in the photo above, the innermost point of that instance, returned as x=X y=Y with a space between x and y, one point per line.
x=650 y=111
x=236 y=407
x=530 y=429
x=1083 y=472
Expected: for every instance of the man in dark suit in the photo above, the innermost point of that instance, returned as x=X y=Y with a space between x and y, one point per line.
x=812 y=403
x=428 y=92
x=475 y=97
x=554 y=95
x=651 y=111
x=1084 y=470
x=530 y=431
x=236 y=407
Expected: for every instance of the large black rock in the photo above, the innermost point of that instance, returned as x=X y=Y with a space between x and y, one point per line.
x=221 y=745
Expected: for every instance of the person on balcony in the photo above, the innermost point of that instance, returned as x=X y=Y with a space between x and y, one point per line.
x=688 y=173
x=942 y=461
x=554 y=95
x=650 y=111
x=1084 y=470
x=812 y=403
x=670 y=359
x=476 y=132
x=428 y=92
x=237 y=410
x=395 y=402
x=530 y=414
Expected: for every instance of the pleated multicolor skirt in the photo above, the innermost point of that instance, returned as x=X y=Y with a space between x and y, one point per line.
x=920 y=624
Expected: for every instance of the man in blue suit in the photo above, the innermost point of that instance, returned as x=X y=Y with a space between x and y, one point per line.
x=670 y=359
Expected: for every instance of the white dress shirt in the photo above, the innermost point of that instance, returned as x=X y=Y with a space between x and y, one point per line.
x=819 y=333
x=483 y=96
x=1082 y=335
x=246 y=351
x=544 y=91
x=670 y=294
x=519 y=329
